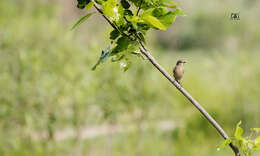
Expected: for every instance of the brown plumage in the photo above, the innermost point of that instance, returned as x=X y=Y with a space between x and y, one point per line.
x=178 y=71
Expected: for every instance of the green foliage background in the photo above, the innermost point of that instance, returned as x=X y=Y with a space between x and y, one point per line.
x=47 y=86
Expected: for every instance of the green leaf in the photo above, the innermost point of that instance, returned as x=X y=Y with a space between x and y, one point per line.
x=139 y=54
x=179 y=12
x=257 y=144
x=224 y=144
x=239 y=131
x=153 y=21
x=167 y=19
x=81 y=20
x=142 y=27
x=95 y=66
x=125 y=65
x=99 y=1
x=125 y=4
x=255 y=130
x=128 y=12
x=122 y=44
x=134 y=46
x=114 y=34
x=134 y=19
x=103 y=57
x=107 y=48
x=119 y=17
x=148 y=12
x=160 y=11
x=89 y=5
x=258 y=139
x=109 y=8
x=114 y=11
x=244 y=146
x=118 y=57
x=169 y=1
x=170 y=4
x=82 y=3
x=170 y=17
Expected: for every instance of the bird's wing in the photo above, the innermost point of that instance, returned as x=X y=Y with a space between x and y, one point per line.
x=174 y=70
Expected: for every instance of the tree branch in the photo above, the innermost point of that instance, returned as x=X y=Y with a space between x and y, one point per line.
x=145 y=52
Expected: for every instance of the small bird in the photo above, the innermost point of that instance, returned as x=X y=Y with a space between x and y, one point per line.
x=178 y=71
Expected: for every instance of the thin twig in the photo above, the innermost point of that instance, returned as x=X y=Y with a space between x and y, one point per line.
x=101 y=12
x=145 y=52
x=139 y=8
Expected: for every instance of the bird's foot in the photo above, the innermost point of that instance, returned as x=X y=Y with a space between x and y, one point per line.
x=179 y=83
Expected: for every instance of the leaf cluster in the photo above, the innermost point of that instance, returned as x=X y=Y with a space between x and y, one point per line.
x=247 y=145
x=131 y=19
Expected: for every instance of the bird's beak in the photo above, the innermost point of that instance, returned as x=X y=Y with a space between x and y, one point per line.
x=184 y=62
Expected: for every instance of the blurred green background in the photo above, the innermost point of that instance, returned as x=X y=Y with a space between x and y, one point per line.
x=51 y=103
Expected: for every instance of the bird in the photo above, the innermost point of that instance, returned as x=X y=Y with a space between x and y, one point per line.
x=178 y=70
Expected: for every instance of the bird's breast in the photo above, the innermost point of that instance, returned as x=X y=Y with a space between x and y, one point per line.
x=178 y=72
